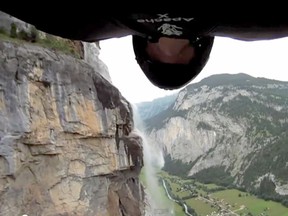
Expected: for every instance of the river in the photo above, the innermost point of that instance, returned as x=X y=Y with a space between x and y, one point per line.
x=185 y=206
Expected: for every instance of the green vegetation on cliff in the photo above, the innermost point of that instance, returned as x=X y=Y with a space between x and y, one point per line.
x=46 y=40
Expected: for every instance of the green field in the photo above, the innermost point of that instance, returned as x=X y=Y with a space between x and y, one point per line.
x=246 y=203
x=200 y=206
x=234 y=201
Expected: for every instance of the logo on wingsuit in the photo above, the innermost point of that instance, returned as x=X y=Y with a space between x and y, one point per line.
x=165 y=18
x=167 y=28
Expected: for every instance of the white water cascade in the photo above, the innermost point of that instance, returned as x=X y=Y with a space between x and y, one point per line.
x=153 y=162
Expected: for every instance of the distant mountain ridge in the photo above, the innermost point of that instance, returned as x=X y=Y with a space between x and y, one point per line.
x=152 y=108
x=236 y=125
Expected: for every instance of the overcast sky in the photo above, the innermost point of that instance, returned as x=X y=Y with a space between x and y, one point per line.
x=267 y=59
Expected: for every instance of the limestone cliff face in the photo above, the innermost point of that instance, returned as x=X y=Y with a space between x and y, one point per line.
x=67 y=145
x=184 y=138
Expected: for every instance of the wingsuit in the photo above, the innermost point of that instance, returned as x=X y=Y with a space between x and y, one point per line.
x=199 y=29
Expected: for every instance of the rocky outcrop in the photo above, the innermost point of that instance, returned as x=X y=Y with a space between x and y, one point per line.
x=91 y=56
x=8 y=20
x=67 y=145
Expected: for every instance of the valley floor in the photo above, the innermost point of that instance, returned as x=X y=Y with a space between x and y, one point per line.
x=213 y=200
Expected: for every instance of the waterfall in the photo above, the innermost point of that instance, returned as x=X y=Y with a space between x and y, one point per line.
x=153 y=162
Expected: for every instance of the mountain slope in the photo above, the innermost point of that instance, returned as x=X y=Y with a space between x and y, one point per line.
x=236 y=125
